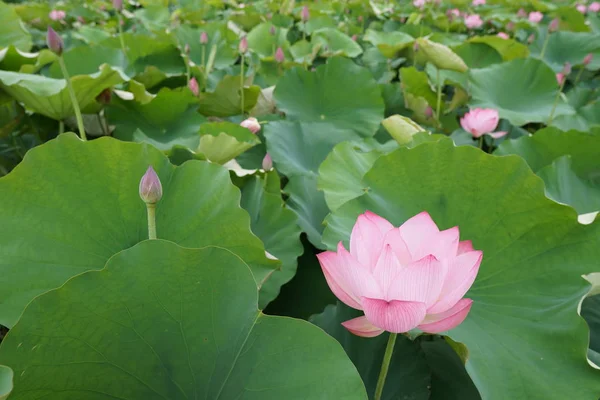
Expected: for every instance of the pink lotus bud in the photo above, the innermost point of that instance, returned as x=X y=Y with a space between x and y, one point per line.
x=531 y=38
x=203 y=38
x=118 y=5
x=594 y=7
x=553 y=27
x=186 y=49
x=560 y=78
x=423 y=292
x=354 y=37
x=193 y=86
x=503 y=35
x=473 y=21
x=419 y=3
x=360 y=19
x=150 y=187
x=535 y=16
x=243 y=46
x=104 y=97
x=481 y=121
x=510 y=26
x=57 y=15
x=581 y=8
x=272 y=30
x=588 y=59
x=522 y=13
x=251 y=124
x=267 y=162
x=567 y=68
x=54 y=41
x=428 y=112
x=478 y=2
x=279 y=56
x=305 y=14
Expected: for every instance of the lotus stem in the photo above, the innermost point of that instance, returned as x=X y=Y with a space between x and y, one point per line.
x=242 y=85
x=188 y=72
x=74 y=101
x=438 y=105
x=578 y=77
x=151 y=208
x=562 y=85
x=121 y=38
x=544 y=46
x=385 y=365
x=481 y=142
x=61 y=127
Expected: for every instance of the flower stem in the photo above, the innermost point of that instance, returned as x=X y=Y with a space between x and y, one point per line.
x=61 y=126
x=578 y=75
x=481 y=142
x=438 y=105
x=121 y=39
x=188 y=72
x=562 y=85
x=242 y=85
x=385 y=365
x=151 y=208
x=544 y=46
x=74 y=101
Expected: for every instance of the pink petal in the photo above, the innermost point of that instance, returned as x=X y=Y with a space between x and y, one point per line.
x=422 y=281
x=329 y=261
x=450 y=319
x=465 y=122
x=394 y=239
x=418 y=229
x=498 y=134
x=361 y=326
x=443 y=245
x=383 y=224
x=465 y=246
x=359 y=277
x=366 y=239
x=394 y=316
x=461 y=275
x=387 y=268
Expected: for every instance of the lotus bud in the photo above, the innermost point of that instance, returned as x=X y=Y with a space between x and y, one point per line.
x=560 y=78
x=104 y=97
x=588 y=59
x=269 y=16
x=503 y=35
x=54 y=41
x=428 y=112
x=272 y=30
x=267 y=163
x=567 y=68
x=251 y=124
x=305 y=14
x=355 y=37
x=531 y=38
x=415 y=46
x=243 y=46
x=553 y=27
x=193 y=86
x=279 y=56
x=80 y=19
x=186 y=49
x=360 y=19
x=118 y=5
x=150 y=187
x=521 y=13
x=510 y=26
x=203 y=38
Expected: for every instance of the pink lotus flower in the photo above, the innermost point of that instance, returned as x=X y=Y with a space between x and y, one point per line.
x=118 y=5
x=193 y=86
x=279 y=55
x=478 y=2
x=535 y=16
x=419 y=3
x=581 y=8
x=482 y=121
x=414 y=276
x=252 y=124
x=594 y=7
x=57 y=15
x=473 y=21
x=503 y=35
x=454 y=12
x=560 y=78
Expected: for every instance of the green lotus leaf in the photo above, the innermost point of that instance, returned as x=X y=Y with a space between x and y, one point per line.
x=11 y=58
x=50 y=97
x=12 y=30
x=389 y=43
x=336 y=43
x=587 y=111
x=213 y=342
x=509 y=49
x=416 y=83
x=84 y=60
x=223 y=141
x=154 y=17
x=6 y=382
x=262 y=42
x=590 y=310
x=225 y=101
x=401 y=128
x=218 y=35
x=524 y=277
x=571 y=47
x=439 y=55
x=303 y=51
x=530 y=97
x=275 y=225
x=326 y=96
x=319 y=22
x=477 y=55
x=91 y=34
x=89 y=206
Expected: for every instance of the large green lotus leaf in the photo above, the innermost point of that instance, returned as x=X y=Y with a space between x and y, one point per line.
x=170 y=118
x=571 y=47
x=587 y=110
x=530 y=96
x=477 y=55
x=12 y=30
x=50 y=97
x=336 y=43
x=275 y=225
x=11 y=58
x=218 y=35
x=225 y=101
x=439 y=55
x=91 y=34
x=165 y=322
x=154 y=17
x=85 y=196
x=87 y=59
x=509 y=49
x=318 y=22
x=339 y=92
x=223 y=141
x=426 y=369
x=417 y=84
x=388 y=43
x=262 y=42
x=526 y=295
x=6 y=385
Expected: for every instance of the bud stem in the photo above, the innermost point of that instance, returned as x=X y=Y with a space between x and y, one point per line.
x=61 y=126
x=242 y=85
x=562 y=85
x=121 y=38
x=578 y=77
x=74 y=101
x=438 y=105
x=545 y=45
x=385 y=365
x=151 y=208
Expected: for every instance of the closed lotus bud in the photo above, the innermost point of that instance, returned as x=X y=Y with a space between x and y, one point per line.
x=272 y=31
x=118 y=4
x=567 y=68
x=203 y=38
x=553 y=27
x=193 y=86
x=267 y=163
x=243 y=46
x=269 y=16
x=560 y=78
x=522 y=13
x=428 y=112
x=305 y=14
x=279 y=56
x=355 y=37
x=510 y=26
x=531 y=38
x=186 y=49
x=104 y=97
x=588 y=59
x=251 y=124
x=150 y=187
x=54 y=41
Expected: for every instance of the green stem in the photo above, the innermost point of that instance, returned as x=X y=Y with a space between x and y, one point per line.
x=544 y=46
x=204 y=56
x=481 y=142
x=242 y=85
x=76 y=108
x=121 y=39
x=61 y=126
x=438 y=105
x=562 y=85
x=385 y=365
x=151 y=208
x=578 y=77
x=188 y=72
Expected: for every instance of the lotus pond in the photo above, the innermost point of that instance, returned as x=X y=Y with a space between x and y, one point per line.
x=342 y=199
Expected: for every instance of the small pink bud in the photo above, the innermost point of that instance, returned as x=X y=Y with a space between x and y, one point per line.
x=305 y=14
x=118 y=5
x=355 y=37
x=478 y=2
x=581 y=8
x=269 y=16
x=510 y=26
x=503 y=35
x=150 y=187
x=588 y=59
x=203 y=38
x=54 y=41
x=567 y=68
x=428 y=112
x=193 y=86
x=243 y=46
x=360 y=19
x=535 y=16
x=267 y=162
x=272 y=31
x=553 y=27
x=279 y=56
x=522 y=13
x=251 y=124
x=415 y=46
x=560 y=78
x=473 y=21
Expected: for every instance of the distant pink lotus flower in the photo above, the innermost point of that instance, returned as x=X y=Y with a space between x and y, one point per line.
x=588 y=59
x=521 y=13
x=57 y=15
x=482 y=121
x=414 y=276
x=594 y=7
x=251 y=124
x=535 y=16
x=354 y=37
x=193 y=86
x=510 y=26
x=473 y=21
x=581 y=8
x=560 y=78
x=503 y=35
x=454 y=12
x=279 y=55
x=478 y=2
x=419 y=3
